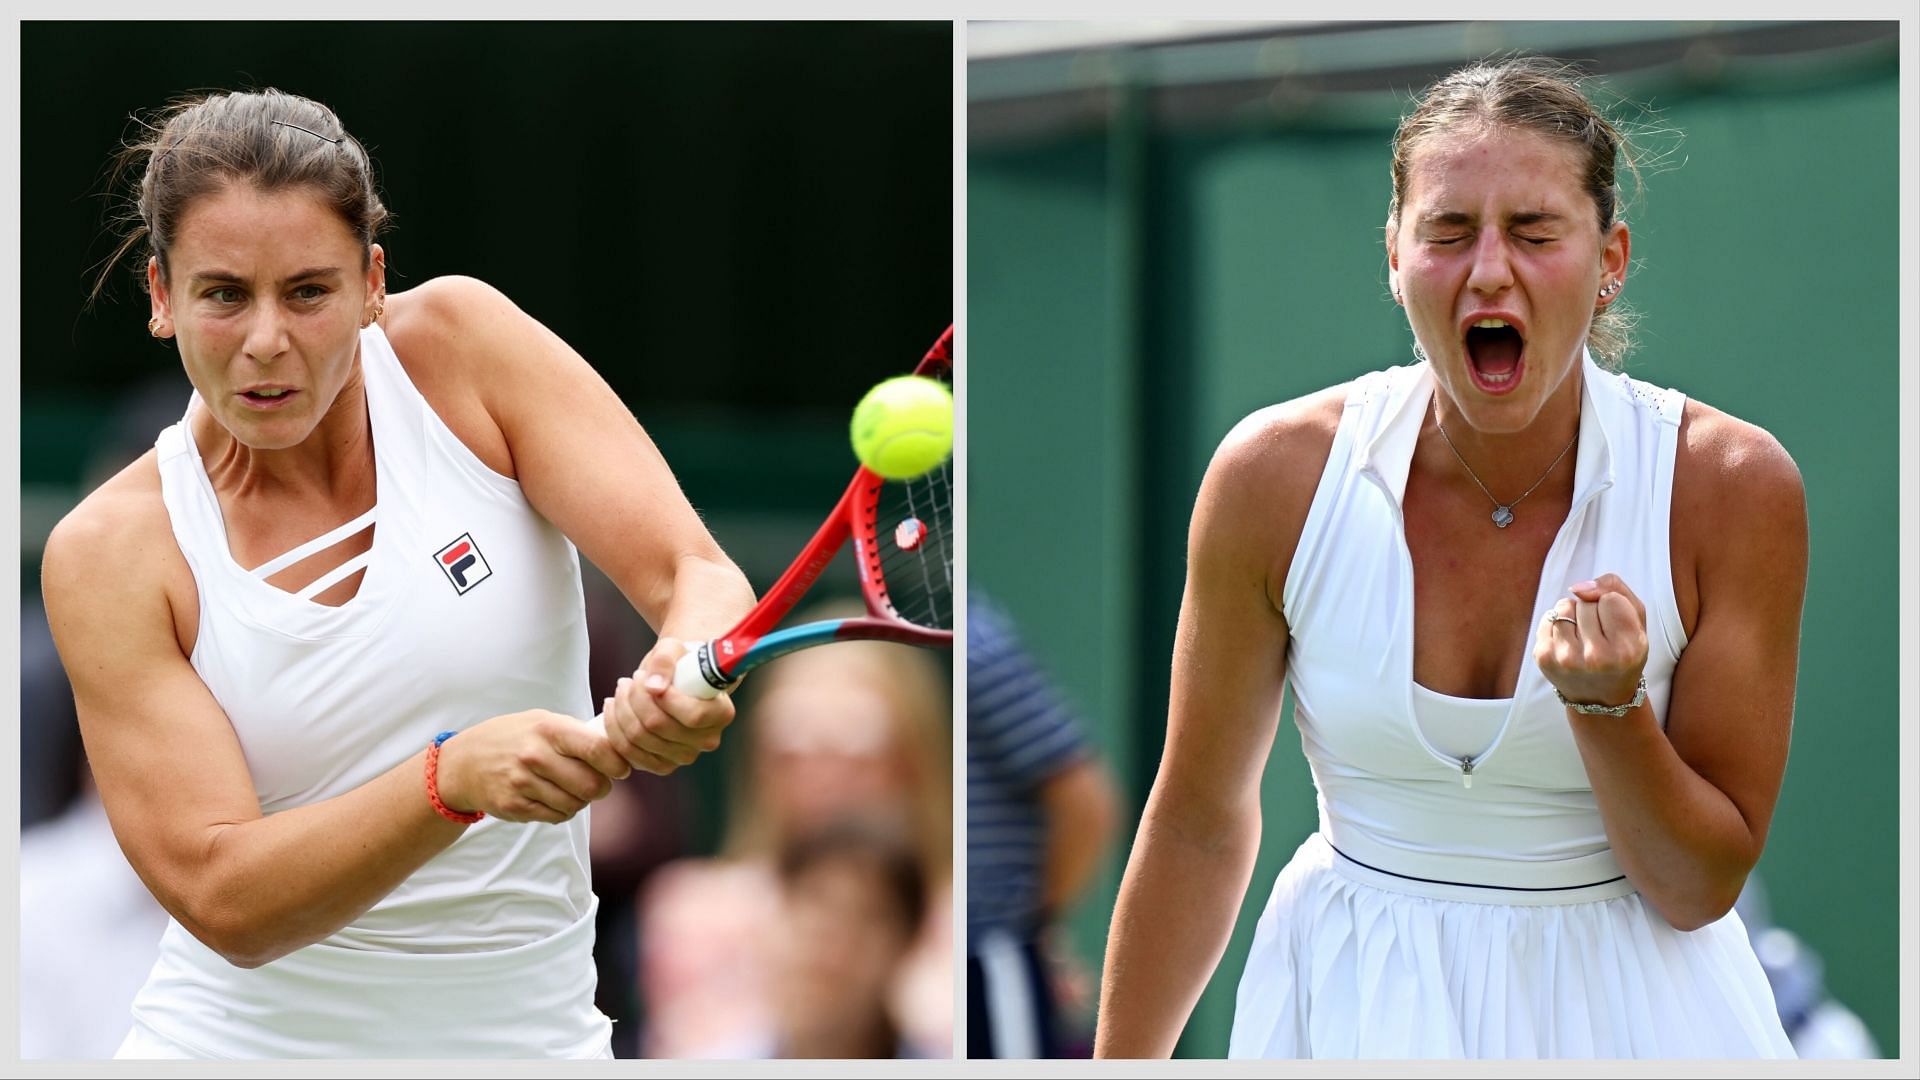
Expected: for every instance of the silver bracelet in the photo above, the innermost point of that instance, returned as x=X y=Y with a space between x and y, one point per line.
x=1616 y=711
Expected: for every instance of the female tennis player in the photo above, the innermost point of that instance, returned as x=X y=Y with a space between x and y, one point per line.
x=1541 y=622
x=327 y=639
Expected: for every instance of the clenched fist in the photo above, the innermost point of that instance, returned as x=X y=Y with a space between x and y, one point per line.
x=1593 y=645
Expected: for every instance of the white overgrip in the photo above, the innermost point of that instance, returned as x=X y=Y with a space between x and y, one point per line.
x=687 y=677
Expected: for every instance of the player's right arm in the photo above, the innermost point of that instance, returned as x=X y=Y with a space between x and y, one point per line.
x=170 y=771
x=1200 y=831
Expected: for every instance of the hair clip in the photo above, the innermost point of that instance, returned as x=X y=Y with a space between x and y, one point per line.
x=313 y=133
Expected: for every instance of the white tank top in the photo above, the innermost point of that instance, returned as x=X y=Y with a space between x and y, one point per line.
x=1423 y=785
x=471 y=607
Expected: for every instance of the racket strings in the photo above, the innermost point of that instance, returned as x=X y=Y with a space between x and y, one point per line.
x=914 y=533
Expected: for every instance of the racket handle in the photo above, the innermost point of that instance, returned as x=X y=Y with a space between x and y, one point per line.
x=688 y=679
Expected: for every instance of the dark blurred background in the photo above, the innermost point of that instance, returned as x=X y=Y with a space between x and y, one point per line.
x=741 y=226
x=1172 y=224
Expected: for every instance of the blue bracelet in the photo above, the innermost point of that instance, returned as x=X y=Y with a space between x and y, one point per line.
x=443 y=737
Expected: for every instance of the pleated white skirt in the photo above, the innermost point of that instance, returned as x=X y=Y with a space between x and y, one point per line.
x=1352 y=963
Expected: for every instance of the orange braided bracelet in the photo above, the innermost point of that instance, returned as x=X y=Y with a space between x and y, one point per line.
x=433 y=783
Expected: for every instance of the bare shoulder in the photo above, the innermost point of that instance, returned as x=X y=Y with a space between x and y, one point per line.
x=118 y=520
x=1259 y=486
x=450 y=304
x=448 y=321
x=458 y=338
x=1731 y=472
x=1739 y=519
x=1274 y=457
x=115 y=551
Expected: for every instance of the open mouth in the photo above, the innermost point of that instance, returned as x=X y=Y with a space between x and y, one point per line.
x=268 y=399
x=1495 y=349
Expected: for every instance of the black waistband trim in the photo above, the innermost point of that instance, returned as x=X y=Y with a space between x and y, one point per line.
x=1473 y=885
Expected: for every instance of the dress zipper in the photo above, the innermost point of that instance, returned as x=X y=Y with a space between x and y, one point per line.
x=1406 y=557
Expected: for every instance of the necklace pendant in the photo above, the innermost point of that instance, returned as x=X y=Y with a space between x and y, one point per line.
x=1502 y=516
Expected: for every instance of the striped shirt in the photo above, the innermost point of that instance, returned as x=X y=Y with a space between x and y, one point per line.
x=1020 y=732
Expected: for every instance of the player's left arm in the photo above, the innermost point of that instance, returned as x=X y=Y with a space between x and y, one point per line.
x=1687 y=811
x=532 y=408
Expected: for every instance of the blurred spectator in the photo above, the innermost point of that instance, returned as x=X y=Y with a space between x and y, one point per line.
x=50 y=753
x=853 y=896
x=1817 y=1025
x=89 y=933
x=856 y=730
x=1040 y=814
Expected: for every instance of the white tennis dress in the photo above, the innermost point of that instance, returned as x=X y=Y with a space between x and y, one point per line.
x=1460 y=898
x=471 y=607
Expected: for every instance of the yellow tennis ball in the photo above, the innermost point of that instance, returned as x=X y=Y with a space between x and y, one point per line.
x=903 y=428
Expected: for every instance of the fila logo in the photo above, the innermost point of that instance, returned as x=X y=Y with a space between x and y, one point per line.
x=463 y=564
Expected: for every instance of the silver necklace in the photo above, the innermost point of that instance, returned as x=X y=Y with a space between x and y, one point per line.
x=1502 y=515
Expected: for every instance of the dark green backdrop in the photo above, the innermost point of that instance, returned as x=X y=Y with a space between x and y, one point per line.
x=742 y=226
x=1147 y=264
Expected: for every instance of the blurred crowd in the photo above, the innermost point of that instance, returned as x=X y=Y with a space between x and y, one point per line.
x=823 y=926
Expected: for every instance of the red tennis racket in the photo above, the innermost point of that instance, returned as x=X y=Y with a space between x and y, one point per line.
x=902 y=534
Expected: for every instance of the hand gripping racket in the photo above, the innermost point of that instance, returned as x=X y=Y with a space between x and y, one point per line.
x=902 y=533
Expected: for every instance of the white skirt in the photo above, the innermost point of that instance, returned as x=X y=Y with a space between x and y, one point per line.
x=1352 y=963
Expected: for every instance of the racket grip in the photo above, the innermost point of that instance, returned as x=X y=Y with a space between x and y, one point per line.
x=688 y=679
